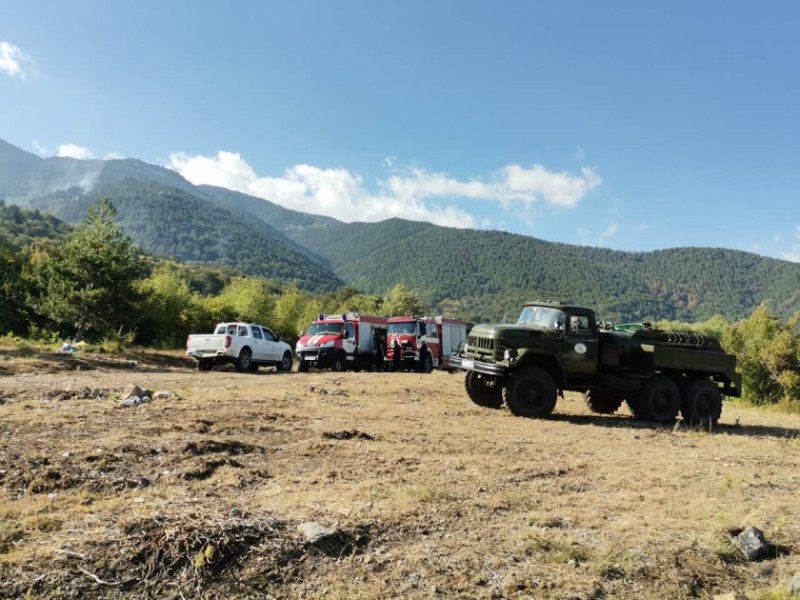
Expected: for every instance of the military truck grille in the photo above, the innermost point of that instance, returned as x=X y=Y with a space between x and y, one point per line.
x=481 y=347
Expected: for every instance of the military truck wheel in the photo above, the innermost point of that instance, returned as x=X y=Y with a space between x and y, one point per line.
x=483 y=390
x=530 y=393
x=205 y=364
x=659 y=400
x=701 y=403
x=302 y=366
x=243 y=362
x=602 y=403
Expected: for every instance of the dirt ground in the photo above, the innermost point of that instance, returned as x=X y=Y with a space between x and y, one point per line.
x=199 y=494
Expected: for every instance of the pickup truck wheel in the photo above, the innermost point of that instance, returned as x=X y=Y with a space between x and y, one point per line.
x=243 y=362
x=205 y=364
x=286 y=363
x=602 y=403
x=659 y=400
x=701 y=403
x=483 y=390
x=530 y=392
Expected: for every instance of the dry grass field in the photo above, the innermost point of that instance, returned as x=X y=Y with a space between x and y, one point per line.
x=200 y=495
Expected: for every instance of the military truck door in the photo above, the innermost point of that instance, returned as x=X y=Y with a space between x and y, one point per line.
x=580 y=347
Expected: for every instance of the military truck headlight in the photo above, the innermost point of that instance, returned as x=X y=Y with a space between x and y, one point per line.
x=510 y=354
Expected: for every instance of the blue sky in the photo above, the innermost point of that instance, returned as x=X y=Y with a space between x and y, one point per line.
x=629 y=125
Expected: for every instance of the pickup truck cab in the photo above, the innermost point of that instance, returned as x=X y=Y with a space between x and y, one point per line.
x=247 y=345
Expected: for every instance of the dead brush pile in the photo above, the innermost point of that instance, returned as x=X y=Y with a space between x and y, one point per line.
x=184 y=556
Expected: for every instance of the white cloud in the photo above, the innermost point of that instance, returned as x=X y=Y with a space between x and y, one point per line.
x=39 y=149
x=609 y=232
x=74 y=151
x=341 y=194
x=13 y=61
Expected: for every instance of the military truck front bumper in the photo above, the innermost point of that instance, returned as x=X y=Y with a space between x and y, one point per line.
x=470 y=364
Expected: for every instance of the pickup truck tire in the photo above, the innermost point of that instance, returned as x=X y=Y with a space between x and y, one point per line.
x=602 y=403
x=243 y=363
x=530 y=392
x=483 y=391
x=701 y=403
x=659 y=400
x=286 y=363
x=205 y=364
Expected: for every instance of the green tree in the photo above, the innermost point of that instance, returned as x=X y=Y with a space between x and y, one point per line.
x=88 y=282
x=403 y=301
x=166 y=307
x=13 y=310
x=768 y=356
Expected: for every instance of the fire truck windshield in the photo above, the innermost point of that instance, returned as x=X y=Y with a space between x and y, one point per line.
x=401 y=328
x=329 y=328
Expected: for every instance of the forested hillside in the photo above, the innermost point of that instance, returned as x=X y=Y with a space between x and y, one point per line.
x=487 y=274
x=480 y=275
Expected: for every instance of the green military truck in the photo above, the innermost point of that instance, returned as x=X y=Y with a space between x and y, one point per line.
x=555 y=347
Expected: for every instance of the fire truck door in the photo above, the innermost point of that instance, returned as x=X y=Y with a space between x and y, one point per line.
x=349 y=339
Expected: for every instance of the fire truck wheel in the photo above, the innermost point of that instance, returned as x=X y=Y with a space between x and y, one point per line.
x=659 y=400
x=205 y=364
x=426 y=363
x=530 y=392
x=701 y=403
x=243 y=362
x=302 y=366
x=602 y=403
x=286 y=363
x=338 y=363
x=483 y=390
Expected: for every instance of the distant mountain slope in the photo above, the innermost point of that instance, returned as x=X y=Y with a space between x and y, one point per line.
x=489 y=273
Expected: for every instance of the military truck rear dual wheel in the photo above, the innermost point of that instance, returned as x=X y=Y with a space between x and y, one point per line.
x=483 y=390
x=601 y=402
x=701 y=403
x=530 y=392
x=659 y=400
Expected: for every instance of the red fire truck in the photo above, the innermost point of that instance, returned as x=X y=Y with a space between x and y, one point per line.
x=422 y=343
x=344 y=341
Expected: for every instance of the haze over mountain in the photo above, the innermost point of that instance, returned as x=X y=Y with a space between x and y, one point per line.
x=481 y=274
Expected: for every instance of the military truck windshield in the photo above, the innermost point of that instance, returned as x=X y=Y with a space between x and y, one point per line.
x=543 y=317
x=318 y=328
x=401 y=328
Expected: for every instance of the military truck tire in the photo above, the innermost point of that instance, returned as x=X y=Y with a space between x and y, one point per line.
x=483 y=391
x=530 y=392
x=339 y=363
x=602 y=403
x=659 y=400
x=205 y=364
x=242 y=363
x=302 y=366
x=701 y=403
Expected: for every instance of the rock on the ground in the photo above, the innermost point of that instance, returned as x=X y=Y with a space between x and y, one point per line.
x=752 y=543
x=314 y=532
x=133 y=390
x=163 y=395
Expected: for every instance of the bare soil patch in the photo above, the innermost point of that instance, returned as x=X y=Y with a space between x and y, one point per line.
x=427 y=495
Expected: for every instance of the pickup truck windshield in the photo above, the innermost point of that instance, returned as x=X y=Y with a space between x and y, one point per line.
x=328 y=328
x=401 y=328
x=543 y=317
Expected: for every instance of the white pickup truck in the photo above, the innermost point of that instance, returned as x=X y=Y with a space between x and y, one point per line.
x=246 y=345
